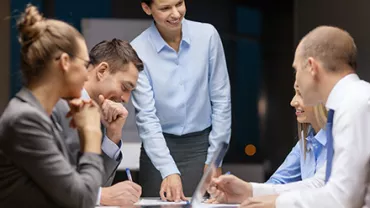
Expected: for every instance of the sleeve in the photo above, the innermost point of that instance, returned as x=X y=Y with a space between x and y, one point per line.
x=347 y=184
x=149 y=128
x=290 y=170
x=72 y=141
x=112 y=157
x=111 y=149
x=317 y=181
x=219 y=90
x=33 y=147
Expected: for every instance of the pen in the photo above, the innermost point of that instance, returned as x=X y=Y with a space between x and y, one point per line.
x=128 y=174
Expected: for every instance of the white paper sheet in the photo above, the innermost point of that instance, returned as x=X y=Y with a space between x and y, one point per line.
x=215 y=205
x=156 y=202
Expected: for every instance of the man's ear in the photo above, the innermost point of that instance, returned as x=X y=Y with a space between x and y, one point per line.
x=146 y=8
x=313 y=67
x=102 y=70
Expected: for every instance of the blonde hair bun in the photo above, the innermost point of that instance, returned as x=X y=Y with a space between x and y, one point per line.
x=30 y=25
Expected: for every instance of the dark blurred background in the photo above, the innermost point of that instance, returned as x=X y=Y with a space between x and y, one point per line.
x=259 y=38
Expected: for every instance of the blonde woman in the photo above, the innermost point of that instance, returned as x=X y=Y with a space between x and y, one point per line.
x=309 y=154
x=303 y=168
x=34 y=165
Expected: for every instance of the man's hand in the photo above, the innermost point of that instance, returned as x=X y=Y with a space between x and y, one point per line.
x=229 y=189
x=114 y=116
x=171 y=189
x=215 y=173
x=260 y=202
x=122 y=193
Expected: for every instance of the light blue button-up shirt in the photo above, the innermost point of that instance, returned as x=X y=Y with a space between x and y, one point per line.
x=110 y=148
x=181 y=92
x=296 y=167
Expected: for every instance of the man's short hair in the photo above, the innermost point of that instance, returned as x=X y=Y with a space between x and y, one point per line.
x=332 y=46
x=116 y=53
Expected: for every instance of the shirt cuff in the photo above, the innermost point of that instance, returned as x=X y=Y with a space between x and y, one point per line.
x=262 y=189
x=111 y=149
x=98 y=197
x=169 y=170
x=209 y=159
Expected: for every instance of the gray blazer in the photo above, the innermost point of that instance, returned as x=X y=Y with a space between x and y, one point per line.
x=72 y=142
x=34 y=165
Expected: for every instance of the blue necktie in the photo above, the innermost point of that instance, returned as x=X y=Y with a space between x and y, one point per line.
x=330 y=148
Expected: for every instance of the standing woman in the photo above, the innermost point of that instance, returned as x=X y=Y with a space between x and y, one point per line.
x=34 y=164
x=182 y=100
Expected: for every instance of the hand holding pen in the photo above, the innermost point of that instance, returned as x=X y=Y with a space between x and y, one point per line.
x=128 y=173
x=229 y=189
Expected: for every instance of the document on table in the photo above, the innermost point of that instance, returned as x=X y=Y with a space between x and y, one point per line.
x=157 y=202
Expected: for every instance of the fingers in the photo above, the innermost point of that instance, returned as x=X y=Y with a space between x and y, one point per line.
x=76 y=105
x=211 y=201
x=113 y=110
x=136 y=187
x=124 y=199
x=220 y=198
x=134 y=195
x=75 y=102
x=69 y=114
x=224 y=179
x=216 y=194
x=101 y=100
x=177 y=194
x=183 y=196
x=161 y=192
x=169 y=193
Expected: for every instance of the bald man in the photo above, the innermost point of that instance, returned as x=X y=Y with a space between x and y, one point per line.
x=325 y=65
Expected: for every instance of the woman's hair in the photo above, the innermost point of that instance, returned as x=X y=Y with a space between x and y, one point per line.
x=320 y=114
x=40 y=41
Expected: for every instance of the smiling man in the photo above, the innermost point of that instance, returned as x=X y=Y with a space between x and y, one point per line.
x=112 y=75
x=325 y=65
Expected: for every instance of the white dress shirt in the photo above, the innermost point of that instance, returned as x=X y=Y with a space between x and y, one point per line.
x=317 y=181
x=350 y=99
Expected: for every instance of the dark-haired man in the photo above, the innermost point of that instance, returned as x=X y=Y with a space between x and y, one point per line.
x=112 y=75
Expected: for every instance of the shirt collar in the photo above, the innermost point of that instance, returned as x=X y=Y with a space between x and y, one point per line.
x=158 y=41
x=336 y=95
x=84 y=94
x=320 y=136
